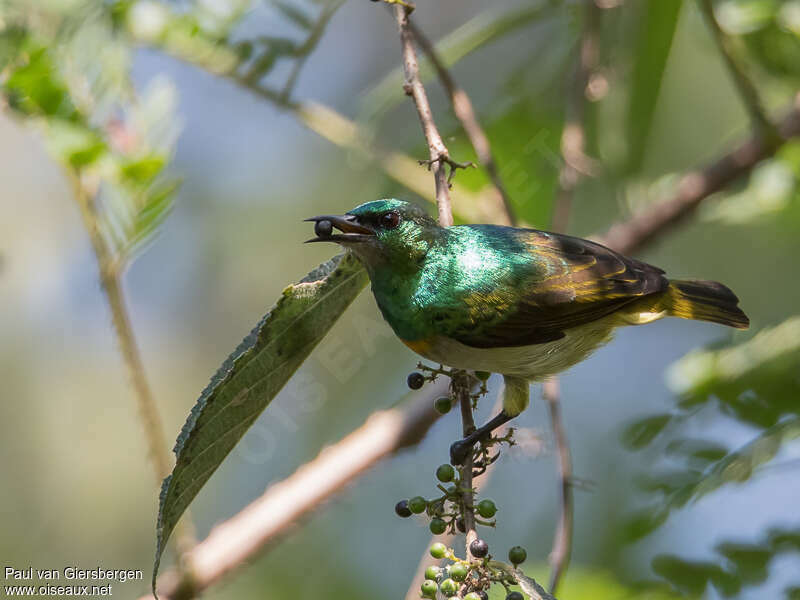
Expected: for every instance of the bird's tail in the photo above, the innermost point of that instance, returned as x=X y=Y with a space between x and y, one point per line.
x=704 y=301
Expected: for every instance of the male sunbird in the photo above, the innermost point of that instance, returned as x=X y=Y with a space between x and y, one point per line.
x=520 y=302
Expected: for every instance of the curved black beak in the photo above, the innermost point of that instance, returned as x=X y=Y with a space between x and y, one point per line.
x=351 y=230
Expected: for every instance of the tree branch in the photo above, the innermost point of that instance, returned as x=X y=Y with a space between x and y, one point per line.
x=697 y=185
x=465 y=113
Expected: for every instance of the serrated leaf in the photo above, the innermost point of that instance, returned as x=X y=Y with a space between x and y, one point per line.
x=250 y=378
x=640 y=433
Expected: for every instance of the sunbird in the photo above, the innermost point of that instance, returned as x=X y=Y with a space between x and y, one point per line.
x=524 y=303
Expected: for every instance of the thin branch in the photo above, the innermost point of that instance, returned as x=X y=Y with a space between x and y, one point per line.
x=460 y=390
x=562 y=541
x=695 y=186
x=308 y=47
x=253 y=531
x=439 y=155
x=465 y=113
x=84 y=192
x=747 y=89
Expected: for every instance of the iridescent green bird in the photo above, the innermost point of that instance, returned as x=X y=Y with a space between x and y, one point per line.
x=520 y=302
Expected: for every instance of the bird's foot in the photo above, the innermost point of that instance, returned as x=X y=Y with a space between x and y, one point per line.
x=460 y=450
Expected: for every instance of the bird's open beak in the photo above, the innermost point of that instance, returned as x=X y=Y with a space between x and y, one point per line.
x=347 y=224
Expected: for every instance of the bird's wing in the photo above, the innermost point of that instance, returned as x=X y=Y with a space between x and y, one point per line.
x=566 y=282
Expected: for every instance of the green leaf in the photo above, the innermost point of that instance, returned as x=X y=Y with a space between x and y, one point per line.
x=143 y=170
x=294 y=14
x=250 y=378
x=658 y=26
x=640 y=433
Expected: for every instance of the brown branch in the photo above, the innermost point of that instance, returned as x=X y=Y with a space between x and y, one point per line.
x=695 y=186
x=465 y=113
x=562 y=541
x=254 y=530
x=439 y=155
x=460 y=390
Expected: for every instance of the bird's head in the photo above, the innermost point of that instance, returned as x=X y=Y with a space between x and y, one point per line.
x=381 y=232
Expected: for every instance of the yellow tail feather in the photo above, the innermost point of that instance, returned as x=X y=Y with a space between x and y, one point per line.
x=704 y=301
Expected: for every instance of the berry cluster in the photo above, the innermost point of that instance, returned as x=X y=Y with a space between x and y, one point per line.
x=469 y=580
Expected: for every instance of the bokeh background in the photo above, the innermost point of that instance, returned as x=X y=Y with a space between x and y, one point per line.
x=77 y=487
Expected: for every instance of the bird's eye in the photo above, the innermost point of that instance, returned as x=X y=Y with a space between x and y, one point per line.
x=390 y=220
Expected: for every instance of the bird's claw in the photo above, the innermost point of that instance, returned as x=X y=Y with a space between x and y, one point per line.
x=459 y=451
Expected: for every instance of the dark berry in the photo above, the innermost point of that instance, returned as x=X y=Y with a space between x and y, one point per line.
x=442 y=405
x=486 y=509
x=517 y=555
x=432 y=572
x=479 y=548
x=402 y=510
x=428 y=588
x=449 y=587
x=415 y=380
x=460 y=525
x=482 y=375
x=515 y=596
x=438 y=550
x=445 y=473
x=458 y=572
x=323 y=228
x=417 y=505
x=437 y=526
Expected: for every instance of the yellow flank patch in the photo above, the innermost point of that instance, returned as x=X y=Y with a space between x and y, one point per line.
x=419 y=346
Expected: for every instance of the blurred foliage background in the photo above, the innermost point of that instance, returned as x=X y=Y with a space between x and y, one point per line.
x=199 y=128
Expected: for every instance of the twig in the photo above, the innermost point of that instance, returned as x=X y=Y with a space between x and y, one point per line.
x=84 y=192
x=460 y=389
x=250 y=532
x=465 y=113
x=308 y=47
x=695 y=186
x=439 y=155
x=747 y=89
x=562 y=541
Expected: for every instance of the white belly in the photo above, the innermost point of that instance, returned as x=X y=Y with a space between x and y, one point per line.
x=533 y=363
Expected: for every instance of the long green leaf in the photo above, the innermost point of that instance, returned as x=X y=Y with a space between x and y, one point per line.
x=250 y=378
x=660 y=20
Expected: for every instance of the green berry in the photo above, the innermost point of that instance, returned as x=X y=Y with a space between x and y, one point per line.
x=515 y=596
x=402 y=510
x=486 y=509
x=445 y=473
x=449 y=587
x=482 y=375
x=438 y=526
x=517 y=555
x=458 y=571
x=442 y=405
x=433 y=572
x=478 y=548
x=438 y=550
x=417 y=505
x=428 y=588
x=482 y=594
x=472 y=596
x=415 y=380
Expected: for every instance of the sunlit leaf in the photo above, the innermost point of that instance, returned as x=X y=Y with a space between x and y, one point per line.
x=250 y=378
